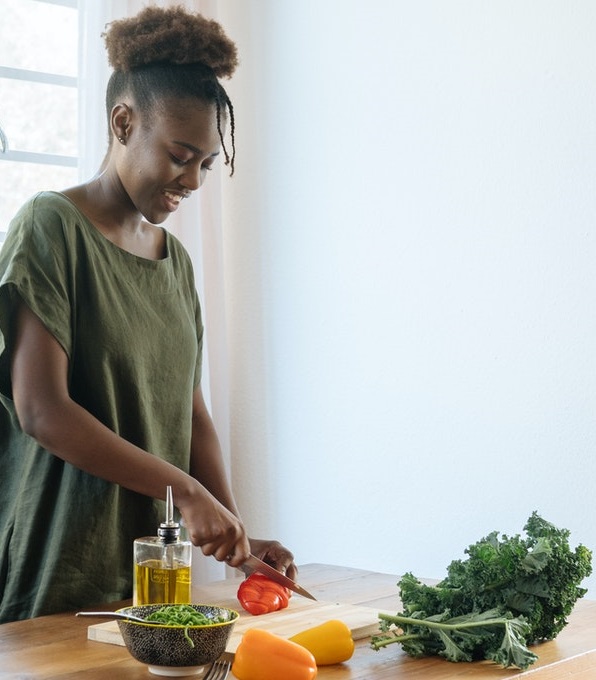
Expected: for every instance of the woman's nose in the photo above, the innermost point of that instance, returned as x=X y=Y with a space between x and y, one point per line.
x=191 y=178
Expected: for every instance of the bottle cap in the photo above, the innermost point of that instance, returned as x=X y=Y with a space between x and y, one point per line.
x=169 y=531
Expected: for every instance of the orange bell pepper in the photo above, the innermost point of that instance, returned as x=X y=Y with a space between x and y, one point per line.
x=330 y=643
x=260 y=595
x=262 y=655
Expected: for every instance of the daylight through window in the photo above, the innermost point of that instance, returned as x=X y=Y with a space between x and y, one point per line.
x=38 y=100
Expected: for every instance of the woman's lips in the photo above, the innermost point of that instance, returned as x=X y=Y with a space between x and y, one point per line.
x=173 y=200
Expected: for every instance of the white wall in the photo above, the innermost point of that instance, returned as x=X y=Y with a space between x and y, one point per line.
x=410 y=248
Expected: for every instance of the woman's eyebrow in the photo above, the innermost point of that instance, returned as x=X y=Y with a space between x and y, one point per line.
x=195 y=149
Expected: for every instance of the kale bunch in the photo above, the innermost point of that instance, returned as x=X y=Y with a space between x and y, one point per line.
x=509 y=593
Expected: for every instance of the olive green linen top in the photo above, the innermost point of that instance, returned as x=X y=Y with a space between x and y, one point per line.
x=132 y=331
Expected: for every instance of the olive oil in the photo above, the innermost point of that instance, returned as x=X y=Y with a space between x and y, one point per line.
x=162 y=564
x=155 y=583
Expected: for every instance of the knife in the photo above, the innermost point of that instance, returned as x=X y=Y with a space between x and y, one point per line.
x=255 y=564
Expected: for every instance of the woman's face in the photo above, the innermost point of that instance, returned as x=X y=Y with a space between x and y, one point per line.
x=167 y=156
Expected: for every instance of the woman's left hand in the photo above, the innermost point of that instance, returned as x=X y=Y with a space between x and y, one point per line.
x=275 y=554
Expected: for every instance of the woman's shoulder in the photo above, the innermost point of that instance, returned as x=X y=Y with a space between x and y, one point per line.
x=48 y=221
x=51 y=200
x=46 y=206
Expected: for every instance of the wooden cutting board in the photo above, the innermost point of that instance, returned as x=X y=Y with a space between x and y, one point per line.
x=299 y=615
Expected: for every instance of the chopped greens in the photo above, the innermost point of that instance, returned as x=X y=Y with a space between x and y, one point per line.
x=509 y=593
x=183 y=615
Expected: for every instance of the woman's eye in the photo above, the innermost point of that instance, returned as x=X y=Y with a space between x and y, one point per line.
x=178 y=161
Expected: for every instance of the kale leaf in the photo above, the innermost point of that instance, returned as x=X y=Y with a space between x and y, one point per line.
x=510 y=592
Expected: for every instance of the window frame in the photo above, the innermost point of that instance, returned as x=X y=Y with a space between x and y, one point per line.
x=26 y=75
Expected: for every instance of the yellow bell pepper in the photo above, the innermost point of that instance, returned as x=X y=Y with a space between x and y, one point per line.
x=329 y=643
x=262 y=655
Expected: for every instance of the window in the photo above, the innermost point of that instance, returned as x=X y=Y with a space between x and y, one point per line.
x=38 y=100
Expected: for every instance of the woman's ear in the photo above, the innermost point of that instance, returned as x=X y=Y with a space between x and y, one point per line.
x=121 y=121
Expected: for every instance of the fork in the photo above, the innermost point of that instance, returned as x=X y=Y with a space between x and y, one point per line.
x=219 y=670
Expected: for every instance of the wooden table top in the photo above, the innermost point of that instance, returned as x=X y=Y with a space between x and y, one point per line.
x=57 y=646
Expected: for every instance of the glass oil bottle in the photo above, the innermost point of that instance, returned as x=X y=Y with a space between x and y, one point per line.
x=162 y=564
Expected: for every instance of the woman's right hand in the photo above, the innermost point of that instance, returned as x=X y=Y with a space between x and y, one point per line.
x=214 y=529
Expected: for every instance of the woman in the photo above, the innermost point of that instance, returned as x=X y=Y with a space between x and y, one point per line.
x=101 y=339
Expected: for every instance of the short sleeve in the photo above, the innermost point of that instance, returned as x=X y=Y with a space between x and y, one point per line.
x=34 y=268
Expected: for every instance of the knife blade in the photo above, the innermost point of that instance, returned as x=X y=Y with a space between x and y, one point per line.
x=255 y=564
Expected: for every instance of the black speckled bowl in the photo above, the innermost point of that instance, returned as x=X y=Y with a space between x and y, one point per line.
x=165 y=648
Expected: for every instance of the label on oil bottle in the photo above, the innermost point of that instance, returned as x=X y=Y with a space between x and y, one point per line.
x=156 y=584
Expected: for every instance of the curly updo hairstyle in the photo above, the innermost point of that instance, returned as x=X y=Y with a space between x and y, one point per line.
x=162 y=53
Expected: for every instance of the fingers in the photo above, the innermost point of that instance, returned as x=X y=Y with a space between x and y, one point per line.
x=235 y=553
x=217 y=532
x=230 y=546
x=292 y=571
x=275 y=554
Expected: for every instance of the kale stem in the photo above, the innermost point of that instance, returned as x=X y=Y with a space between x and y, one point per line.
x=438 y=624
x=379 y=642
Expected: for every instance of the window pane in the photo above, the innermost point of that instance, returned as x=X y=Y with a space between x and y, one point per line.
x=39 y=117
x=38 y=36
x=19 y=181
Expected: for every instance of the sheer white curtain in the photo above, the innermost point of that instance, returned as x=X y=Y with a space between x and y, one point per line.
x=197 y=223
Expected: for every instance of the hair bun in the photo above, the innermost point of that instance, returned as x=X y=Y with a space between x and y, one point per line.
x=171 y=35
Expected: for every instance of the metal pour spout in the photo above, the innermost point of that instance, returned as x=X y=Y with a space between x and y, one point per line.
x=169 y=531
